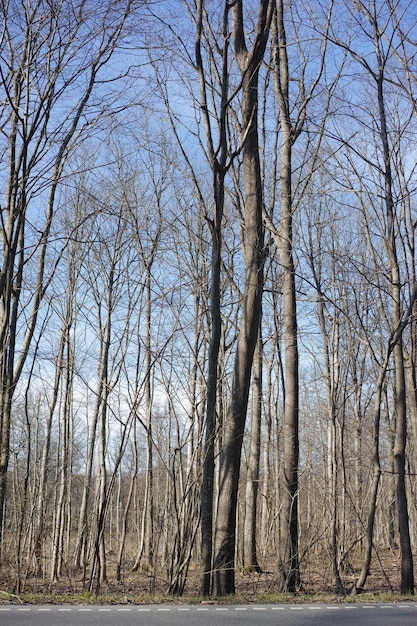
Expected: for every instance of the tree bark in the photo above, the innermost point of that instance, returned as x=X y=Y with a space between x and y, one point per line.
x=375 y=480
x=250 y=557
x=217 y=159
x=289 y=558
x=249 y=63
x=407 y=569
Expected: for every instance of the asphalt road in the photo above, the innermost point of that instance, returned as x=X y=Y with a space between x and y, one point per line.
x=401 y=614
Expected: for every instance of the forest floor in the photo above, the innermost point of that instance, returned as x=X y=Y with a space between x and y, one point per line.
x=317 y=586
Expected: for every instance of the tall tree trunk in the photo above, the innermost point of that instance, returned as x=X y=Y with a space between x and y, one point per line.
x=79 y=559
x=98 y=574
x=207 y=487
x=65 y=470
x=217 y=158
x=407 y=569
x=249 y=63
x=145 y=554
x=124 y=521
x=289 y=558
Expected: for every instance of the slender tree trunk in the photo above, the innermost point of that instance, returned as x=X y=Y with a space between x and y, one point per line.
x=5 y=408
x=289 y=558
x=145 y=555
x=65 y=67
x=207 y=487
x=124 y=522
x=65 y=470
x=375 y=480
x=217 y=159
x=358 y=441
x=267 y=492
x=44 y=465
x=407 y=570
x=392 y=485
x=82 y=534
x=250 y=558
x=98 y=574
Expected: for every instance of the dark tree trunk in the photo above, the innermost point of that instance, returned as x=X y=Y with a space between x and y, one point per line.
x=249 y=63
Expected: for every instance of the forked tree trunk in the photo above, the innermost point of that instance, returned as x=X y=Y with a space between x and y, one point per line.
x=217 y=157
x=249 y=63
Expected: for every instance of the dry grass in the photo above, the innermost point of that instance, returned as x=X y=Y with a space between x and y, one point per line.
x=317 y=586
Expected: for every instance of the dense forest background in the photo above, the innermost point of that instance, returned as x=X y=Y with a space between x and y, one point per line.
x=208 y=294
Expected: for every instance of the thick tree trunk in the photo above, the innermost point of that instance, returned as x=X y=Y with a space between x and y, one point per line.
x=224 y=565
x=249 y=63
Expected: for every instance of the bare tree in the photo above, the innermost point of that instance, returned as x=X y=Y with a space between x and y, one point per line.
x=292 y=120
x=52 y=59
x=249 y=65
x=379 y=27
x=217 y=156
x=147 y=229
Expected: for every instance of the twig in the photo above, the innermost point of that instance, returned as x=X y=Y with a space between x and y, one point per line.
x=12 y=595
